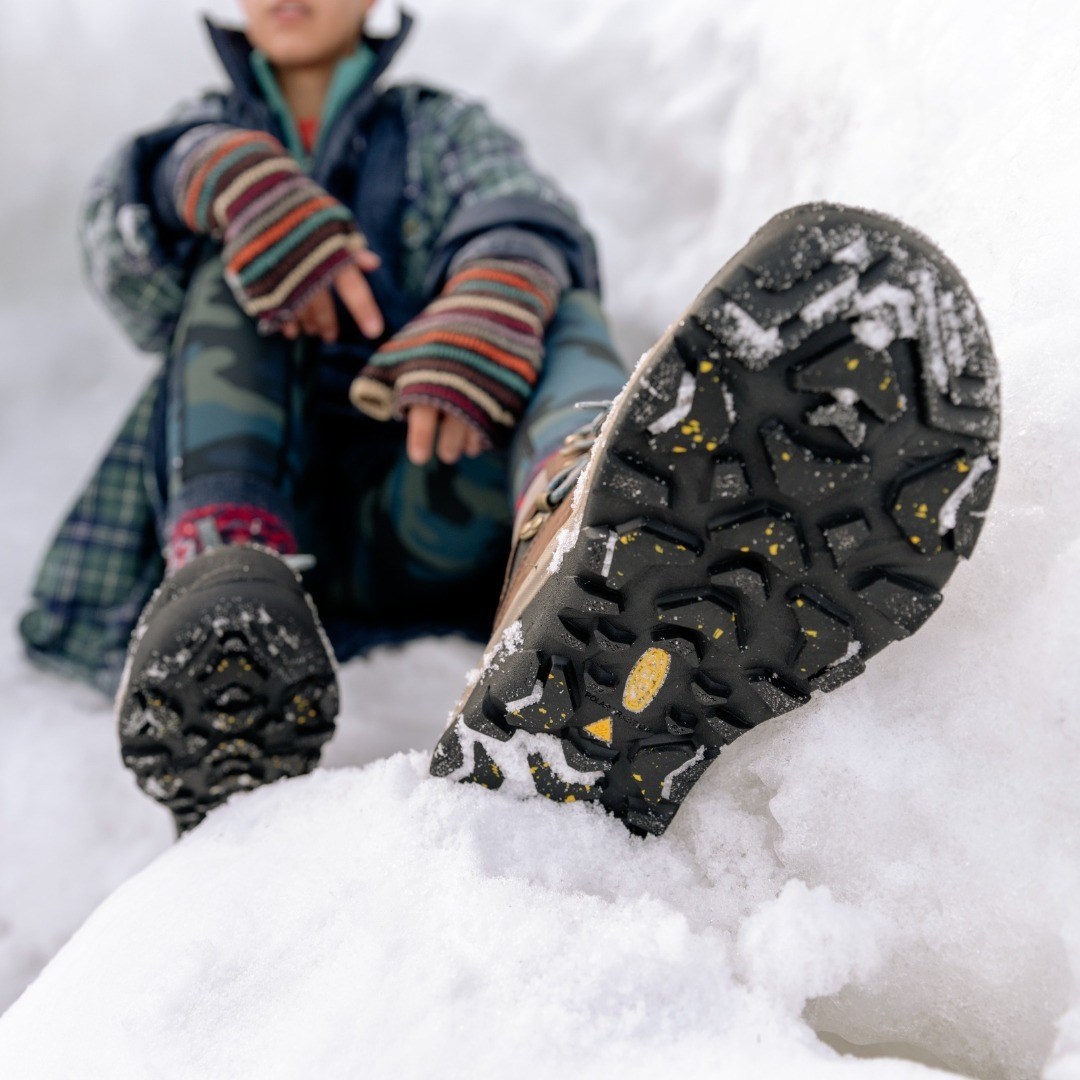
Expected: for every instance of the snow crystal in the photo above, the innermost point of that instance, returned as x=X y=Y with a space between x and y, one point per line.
x=564 y=542
x=755 y=345
x=684 y=401
x=831 y=303
x=669 y=780
x=512 y=756
x=886 y=300
x=853 y=650
x=609 y=553
x=508 y=642
x=951 y=507
x=874 y=333
x=934 y=350
x=530 y=699
x=729 y=405
x=857 y=254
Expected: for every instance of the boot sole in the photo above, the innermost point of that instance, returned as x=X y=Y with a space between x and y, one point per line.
x=782 y=489
x=232 y=687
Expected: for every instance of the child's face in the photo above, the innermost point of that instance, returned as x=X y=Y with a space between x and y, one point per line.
x=303 y=33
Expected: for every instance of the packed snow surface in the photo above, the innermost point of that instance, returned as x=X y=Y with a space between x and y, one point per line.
x=881 y=882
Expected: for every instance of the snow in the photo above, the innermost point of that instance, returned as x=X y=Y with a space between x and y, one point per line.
x=881 y=881
x=951 y=506
x=831 y=303
x=751 y=342
x=684 y=401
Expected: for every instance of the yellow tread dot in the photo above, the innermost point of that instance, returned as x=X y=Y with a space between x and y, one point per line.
x=645 y=679
x=705 y=367
x=853 y=363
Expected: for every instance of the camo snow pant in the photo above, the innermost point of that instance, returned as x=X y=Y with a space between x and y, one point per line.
x=245 y=420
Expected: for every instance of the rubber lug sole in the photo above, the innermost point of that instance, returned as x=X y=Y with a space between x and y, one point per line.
x=230 y=683
x=782 y=489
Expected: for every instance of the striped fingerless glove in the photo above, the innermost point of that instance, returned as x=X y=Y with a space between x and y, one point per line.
x=475 y=351
x=284 y=237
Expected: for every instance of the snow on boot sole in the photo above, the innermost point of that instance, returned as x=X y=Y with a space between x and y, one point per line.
x=783 y=487
x=230 y=683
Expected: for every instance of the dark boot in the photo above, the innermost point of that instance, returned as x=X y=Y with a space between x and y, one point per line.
x=230 y=682
x=790 y=476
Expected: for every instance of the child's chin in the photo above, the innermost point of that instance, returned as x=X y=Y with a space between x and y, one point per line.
x=292 y=49
x=303 y=44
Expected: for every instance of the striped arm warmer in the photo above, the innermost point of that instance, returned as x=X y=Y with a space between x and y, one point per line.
x=475 y=351
x=284 y=237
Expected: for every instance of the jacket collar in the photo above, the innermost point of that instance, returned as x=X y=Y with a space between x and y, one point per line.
x=234 y=49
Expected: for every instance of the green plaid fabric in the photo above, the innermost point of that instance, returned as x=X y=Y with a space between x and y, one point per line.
x=137 y=268
x=102 y=565
x=460 y=157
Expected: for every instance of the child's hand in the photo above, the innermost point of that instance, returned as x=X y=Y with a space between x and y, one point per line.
x=318 y=318
x=455 y=437
x=472 y=354
x=285 y=240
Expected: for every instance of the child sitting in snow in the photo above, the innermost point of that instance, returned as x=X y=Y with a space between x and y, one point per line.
x=378 y=322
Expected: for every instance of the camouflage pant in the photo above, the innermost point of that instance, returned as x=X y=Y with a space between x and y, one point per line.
x=245 y=421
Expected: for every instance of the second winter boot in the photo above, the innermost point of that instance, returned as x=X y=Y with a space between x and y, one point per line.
x=782 y=488
x=230 y=681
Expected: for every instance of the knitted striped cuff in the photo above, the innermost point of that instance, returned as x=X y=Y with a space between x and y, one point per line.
x=475 y=351
x=284 y=236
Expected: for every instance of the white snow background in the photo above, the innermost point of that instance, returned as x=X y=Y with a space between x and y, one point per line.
x=889 y=873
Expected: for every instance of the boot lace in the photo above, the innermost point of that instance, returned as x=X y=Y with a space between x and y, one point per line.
x=577 y=446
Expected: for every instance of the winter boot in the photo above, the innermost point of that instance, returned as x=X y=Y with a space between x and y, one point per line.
x=782 y=488
x=230 y=681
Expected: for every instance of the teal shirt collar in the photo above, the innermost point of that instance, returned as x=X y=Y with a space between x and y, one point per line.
x=350 y=72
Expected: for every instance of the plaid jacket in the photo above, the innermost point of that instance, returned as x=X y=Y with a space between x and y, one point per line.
x=462 y=185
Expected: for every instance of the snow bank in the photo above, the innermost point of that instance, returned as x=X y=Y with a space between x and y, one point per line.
x=893 y=867
x=380 y=923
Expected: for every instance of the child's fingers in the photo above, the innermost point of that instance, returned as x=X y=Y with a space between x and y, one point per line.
x=420 y=436
x=453 y=432
x=367 y=260
x=308 y=323
x=357 y=296
x=474 y=443
x=325 y=316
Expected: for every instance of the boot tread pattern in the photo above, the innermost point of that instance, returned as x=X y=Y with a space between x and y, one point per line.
x=236 y=690
x=788 y=483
